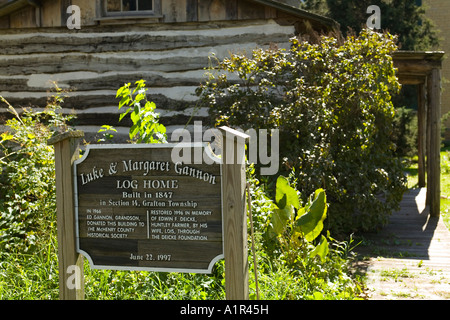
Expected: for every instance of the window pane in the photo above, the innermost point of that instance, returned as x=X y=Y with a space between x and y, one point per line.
x=145 y=5
x=113 y=5
x=129 y=5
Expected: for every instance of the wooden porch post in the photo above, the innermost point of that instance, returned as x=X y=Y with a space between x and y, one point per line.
x=434 y=128
x=428 y=140
x=421 y=145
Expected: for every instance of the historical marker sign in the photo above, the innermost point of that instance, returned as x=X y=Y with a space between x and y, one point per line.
x=136 y=209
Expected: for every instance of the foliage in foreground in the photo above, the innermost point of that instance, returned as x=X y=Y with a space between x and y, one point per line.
x=29 y=270
x=294 y=255
x=319 y=271
x=146 y=127
x=27 y=175
x=331 y=102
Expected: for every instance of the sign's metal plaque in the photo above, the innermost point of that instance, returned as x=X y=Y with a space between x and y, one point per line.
x=136 y=209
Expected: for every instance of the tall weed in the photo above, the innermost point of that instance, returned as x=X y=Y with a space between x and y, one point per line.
x=295 y=260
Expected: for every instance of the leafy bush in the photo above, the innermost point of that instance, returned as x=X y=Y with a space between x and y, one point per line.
x=27 y=176
x=331 y=102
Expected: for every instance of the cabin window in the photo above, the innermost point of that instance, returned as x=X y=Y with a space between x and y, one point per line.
x=127 y=7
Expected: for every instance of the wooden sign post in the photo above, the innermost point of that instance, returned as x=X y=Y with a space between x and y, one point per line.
x=234 y=214
x=133 y=207
x=65 y=155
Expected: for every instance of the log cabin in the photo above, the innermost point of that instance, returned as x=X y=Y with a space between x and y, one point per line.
x=165 y=42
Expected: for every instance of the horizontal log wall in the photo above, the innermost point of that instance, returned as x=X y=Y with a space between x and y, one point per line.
x=93 y=63
x=53 y=13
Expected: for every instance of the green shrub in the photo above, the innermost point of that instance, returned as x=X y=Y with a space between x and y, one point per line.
x=331 y=102
x=27 y=176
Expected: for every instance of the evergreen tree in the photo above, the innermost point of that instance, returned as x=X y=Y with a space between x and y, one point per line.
x=405 y=18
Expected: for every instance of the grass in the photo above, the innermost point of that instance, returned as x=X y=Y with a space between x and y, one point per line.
x=413 y=179
x=30 y=276
x=445 y=186
x=396 y=274
x=35 y=276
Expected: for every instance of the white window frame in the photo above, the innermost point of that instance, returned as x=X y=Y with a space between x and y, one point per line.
x=156 y=10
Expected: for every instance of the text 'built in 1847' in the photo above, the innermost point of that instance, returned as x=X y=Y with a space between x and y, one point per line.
x=136 y=209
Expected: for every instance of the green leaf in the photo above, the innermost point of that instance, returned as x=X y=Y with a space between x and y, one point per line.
x=124 y=101
x=6 y=136
x=106 y=127
x=321 y=249
x=135 y=116
x=280 y=218
x=285 y=194
x=134 y=131
x=123 y=115
x=150 y=105
x=123 y=91
x=310 y=224
x=139 y=97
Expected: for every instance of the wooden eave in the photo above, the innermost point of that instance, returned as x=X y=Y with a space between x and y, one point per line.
x=12 y=6
x=414 y=66
x=318 y=22
x=316 y=19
